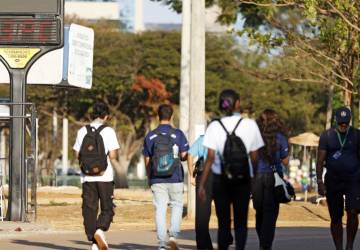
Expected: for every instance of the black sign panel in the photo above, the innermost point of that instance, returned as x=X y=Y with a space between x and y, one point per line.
x=31 y=23
x=25 y=31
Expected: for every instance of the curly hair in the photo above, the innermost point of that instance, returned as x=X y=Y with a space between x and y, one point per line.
x=270 y=125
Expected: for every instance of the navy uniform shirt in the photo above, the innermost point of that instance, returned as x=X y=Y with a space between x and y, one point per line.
x=179 y=139
x=281 y=153
x=346 y=163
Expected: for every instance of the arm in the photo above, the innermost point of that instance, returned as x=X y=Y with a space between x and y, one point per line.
x=285 y=161
x=183 y=156
x=207 y=168
x=147 y=165
x=319 y=171
x=113 y=156
x=77 y=155
x=254 y=155
x=190 y=163
x=320 y=165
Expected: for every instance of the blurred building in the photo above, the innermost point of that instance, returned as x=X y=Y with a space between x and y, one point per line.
x=129 y=13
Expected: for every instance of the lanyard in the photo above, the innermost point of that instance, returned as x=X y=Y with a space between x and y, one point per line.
x=342 y=143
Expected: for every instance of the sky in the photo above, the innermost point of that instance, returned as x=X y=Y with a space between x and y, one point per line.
x=156 y=12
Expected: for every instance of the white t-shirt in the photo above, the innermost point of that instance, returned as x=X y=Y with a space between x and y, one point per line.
x=110 y=143
x=215 y=137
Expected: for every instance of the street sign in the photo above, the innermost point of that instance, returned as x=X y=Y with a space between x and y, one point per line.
x=81 y=47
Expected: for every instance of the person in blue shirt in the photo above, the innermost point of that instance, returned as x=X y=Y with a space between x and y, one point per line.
x=339 y=151
x=203 y=209
x=275 y=153
x=167 y=189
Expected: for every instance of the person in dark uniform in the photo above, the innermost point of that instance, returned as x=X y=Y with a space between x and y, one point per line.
x=339 y=153
x=203 y=209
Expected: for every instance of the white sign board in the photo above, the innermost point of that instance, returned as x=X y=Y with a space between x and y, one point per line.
x=81 y=51
x=71 y=65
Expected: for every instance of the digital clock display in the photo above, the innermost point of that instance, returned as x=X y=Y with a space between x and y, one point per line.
x=29 y=31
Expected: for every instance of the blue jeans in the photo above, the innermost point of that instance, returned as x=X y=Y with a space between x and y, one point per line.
x=164 y=194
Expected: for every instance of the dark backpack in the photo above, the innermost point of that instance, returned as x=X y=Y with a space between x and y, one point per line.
x=92 y=155
x=235 y=159
x=164 y=160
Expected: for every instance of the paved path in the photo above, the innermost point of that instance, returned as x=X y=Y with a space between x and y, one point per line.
x=286 y=238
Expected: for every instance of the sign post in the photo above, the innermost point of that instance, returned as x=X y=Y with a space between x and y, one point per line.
x=28 y=30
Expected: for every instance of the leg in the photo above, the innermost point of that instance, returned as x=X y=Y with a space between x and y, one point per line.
x=202 y=216
x=222 y=207
x=106 y=193
x=240 y=197
x=351 y=228
x=90 y=204
x=335 y=202
x=257 y=197
x=270 y=212
x=160 y=200
x=176 y=191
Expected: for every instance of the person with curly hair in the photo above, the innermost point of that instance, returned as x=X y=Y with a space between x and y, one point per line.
x=274 y=155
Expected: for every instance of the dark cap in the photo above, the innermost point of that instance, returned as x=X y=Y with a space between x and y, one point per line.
x=343 y=115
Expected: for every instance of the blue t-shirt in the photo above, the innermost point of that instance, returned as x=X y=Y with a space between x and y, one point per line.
x=198 y=149
x=346 y=163
x=281 y=153
x=179 y=139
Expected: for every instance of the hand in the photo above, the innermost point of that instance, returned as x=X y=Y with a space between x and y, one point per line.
x=202 y=193
x=321 y=188
x=193 y=181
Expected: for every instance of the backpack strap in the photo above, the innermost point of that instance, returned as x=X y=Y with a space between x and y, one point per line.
x=88 y=128
x=227 y=132
x=99 y=129
x=222 y=125
x=237 y=124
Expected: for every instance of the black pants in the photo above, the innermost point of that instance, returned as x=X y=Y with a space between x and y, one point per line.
x=267 y=209
x=202 y=215
x=237 y=194
x=92 y=193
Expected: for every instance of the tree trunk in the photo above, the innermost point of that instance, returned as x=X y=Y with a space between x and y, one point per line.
x=329 y=109
x=121 y=171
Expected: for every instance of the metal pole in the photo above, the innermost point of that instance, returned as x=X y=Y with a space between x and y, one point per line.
x=17 y=176
x=197 y=79
x=65 y=147
x=185 y=79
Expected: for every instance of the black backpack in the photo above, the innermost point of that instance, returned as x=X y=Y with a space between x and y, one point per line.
x=164 y=160
x=235 y=159
x=92 y=155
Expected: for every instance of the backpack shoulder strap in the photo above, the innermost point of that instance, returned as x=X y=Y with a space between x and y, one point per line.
x=222 y=125
x=88 y=128
x=99 y=129
x=237 y=125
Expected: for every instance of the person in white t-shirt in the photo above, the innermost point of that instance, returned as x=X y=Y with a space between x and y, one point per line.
x=228 y=192
x=95 y=188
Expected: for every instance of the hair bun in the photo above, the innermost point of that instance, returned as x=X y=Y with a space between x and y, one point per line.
x=226 y=104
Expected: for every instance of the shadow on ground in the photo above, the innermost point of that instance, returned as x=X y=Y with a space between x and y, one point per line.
x=300 y=238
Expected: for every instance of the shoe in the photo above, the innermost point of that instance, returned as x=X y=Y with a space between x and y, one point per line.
x=172 y=244
x=162 y=248
x=100 y=239
x=94 y=246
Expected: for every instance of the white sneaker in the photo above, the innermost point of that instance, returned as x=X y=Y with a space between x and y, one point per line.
x=94 y=247
x=172 y=244
x=100 y=239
